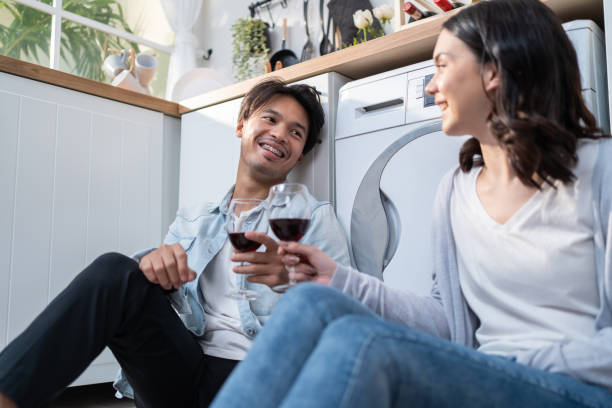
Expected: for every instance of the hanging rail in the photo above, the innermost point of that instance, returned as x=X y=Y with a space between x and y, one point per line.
x=254 y=6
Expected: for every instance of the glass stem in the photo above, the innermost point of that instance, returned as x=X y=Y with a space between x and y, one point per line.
x=292 y=276
x=243 y=282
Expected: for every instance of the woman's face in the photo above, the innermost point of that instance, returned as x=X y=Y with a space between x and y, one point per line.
x=458 y=87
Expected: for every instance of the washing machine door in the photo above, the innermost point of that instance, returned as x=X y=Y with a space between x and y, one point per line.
x=391 y=218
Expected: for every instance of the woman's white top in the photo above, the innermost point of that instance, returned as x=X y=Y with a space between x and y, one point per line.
x=223 y=336
x=531 y=281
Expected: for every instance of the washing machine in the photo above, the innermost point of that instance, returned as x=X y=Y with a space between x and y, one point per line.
x=391 y=155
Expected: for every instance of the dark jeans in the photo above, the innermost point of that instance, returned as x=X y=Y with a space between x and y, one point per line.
x=111 y=304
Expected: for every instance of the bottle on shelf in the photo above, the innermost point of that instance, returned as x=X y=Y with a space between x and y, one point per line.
x=416 y=14
x=446 y=5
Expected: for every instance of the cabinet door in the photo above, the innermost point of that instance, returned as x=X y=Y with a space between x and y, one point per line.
x=81 y=175
x=210 y=151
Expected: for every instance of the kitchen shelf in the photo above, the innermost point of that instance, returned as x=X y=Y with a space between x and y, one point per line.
x=413 y=44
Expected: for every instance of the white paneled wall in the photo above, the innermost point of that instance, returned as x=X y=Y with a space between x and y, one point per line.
x=607 y=10
x=79 y=176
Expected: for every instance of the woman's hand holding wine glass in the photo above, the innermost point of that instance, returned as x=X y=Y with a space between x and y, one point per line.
x=309 y=262
x=289 y=216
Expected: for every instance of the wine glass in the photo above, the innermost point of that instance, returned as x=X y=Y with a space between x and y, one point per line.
x=289 y=217
x=244 y=215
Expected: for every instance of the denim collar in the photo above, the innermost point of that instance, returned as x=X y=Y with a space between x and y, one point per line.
x=223 y=205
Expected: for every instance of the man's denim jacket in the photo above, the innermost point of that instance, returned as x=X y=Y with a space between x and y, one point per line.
x=200 y=230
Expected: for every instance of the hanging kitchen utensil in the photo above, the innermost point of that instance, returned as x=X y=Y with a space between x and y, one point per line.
x=334 y=46
x=308 y=48
x=325 y=47
x=337 y=38
x=270 y=14
x=284 y=56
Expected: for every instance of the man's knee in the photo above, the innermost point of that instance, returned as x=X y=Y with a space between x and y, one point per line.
x=108 y=270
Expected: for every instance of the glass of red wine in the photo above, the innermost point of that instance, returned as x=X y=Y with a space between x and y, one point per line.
x=289 y=217
x=244 y=215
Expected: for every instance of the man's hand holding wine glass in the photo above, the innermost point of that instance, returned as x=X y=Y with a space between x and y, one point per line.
x=262 y=267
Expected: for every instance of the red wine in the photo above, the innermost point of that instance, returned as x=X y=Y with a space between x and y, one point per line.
x=289 y=229
x=241 y=243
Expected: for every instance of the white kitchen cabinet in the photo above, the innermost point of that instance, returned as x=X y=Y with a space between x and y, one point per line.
x=210 y=149
x=80 y=176
x=607 y=11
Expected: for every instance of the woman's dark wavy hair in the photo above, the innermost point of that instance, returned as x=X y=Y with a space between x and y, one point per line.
x=306 y=95
x=538 y=111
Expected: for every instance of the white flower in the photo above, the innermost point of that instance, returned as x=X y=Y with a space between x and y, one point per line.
x=362 y=18
x=384 y=12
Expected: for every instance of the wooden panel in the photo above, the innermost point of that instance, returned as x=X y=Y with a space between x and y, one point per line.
x=103 y=211
x=135 y=204
x=9 y=129
x=33 y=209
x=69 y=232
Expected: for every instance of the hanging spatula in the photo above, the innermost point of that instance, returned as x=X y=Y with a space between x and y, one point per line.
x=308 y=48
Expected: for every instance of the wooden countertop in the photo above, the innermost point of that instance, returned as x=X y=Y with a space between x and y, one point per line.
x=59 y=78
x=413 y=44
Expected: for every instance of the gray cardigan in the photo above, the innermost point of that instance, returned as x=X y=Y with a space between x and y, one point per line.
x=446 y=314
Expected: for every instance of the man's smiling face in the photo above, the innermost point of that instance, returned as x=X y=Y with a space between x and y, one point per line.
x=273 y=137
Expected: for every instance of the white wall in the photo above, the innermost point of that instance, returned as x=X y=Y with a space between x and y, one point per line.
x=213 y=28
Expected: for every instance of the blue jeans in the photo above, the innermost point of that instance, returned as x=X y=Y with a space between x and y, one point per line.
x=322 y=348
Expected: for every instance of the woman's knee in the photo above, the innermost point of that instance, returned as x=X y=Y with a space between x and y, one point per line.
x=307 y=293
x=329 y=303
x=375 y=331
x=353 y=327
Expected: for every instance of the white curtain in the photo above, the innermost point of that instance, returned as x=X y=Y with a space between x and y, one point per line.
x=181 y=15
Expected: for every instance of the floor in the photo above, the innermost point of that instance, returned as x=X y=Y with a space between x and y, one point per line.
x=96 y=396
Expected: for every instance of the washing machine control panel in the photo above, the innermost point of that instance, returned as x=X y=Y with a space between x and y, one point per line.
x=428 y=99
x=419 y=105
x=417 y=97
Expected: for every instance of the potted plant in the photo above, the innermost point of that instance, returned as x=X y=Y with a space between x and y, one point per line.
x=250 y=47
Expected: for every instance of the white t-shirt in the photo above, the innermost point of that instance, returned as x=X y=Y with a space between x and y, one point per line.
x=223 y=336
x=531 y=281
